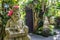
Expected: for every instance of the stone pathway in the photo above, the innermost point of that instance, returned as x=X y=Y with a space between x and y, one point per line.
x=38 y=37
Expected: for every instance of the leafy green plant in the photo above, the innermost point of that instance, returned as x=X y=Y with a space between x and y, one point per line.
x=22 y=4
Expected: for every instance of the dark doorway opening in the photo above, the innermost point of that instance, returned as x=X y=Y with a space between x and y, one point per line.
x=29 y=19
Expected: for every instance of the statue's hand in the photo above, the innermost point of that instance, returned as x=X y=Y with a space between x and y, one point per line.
x=7 y=30
x=22 y=31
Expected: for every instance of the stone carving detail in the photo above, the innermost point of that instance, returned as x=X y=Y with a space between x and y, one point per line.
x=15 y=27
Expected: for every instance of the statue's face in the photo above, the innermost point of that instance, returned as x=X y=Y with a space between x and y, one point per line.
x=15 y=16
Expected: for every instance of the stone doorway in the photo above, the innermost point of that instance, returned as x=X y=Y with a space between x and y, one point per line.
x=29 y=19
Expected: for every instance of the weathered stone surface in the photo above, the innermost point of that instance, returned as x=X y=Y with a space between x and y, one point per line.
x=16 y=29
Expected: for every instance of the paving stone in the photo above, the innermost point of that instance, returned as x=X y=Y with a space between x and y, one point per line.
x=38 y=37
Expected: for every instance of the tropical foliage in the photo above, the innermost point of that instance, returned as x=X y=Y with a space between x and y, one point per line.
x=42 y=8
